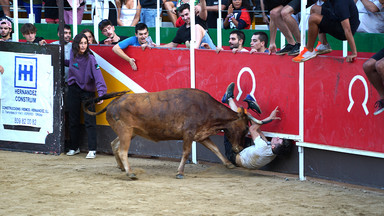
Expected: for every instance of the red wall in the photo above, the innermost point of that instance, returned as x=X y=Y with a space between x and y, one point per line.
x=327 y=79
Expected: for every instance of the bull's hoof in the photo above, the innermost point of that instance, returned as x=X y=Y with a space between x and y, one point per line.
x=132 y=176
x=230 y=166
x=180 y=176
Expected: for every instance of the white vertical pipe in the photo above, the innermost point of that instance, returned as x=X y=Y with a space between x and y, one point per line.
x=301 y=91
x=282 y=40
x=96 y=20
x=345 y=48
x=219 y=21
x=74 y=17
x=31 y=16
x=301 y=163
x=301 y=70
x=15 y=37
x=192 y=62
x=105 y=14
x=158 y=23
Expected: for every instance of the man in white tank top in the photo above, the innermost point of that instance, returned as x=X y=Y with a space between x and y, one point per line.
x=261 y=151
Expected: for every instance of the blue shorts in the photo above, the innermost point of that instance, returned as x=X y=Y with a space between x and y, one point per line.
x=207 y=39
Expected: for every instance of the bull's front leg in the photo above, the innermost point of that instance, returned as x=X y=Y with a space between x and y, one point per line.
x=213 y=147
x=187 y=145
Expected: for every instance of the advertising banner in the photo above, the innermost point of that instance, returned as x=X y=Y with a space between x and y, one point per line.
x=26 y=97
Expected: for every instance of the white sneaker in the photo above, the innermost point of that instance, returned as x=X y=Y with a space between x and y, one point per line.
x=323 y=49
x=91 y=155
x=305 y=55
x=73 y=152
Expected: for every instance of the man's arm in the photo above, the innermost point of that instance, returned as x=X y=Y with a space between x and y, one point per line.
x=351 y=41
x=124 y=56
x=370 y=6
x=203 y=12
x=255 y=128
x=171 y=44
x=272 y=41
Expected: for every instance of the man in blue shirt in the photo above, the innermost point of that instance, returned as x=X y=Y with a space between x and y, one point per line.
x=141 y=38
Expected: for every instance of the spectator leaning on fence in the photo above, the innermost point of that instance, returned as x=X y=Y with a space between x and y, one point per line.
x=259 y=43
x=236 y=42
x=28 y=30
x=371 y=15
x=141 y=38
x=108 y=30
x=340 y=19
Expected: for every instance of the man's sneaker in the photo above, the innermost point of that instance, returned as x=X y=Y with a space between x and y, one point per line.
x=287 y=48
x=91 y=155
x=305 y=55
x=252 y=104
x=295 y=50
x=228 y=93
x=323 y=49
x=379 y=105
x=73 y=152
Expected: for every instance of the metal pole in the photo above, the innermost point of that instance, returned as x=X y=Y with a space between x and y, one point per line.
x=158 y=23
x=219 y=23
x=31 y=16
x=74 y=16
x=15 y=36
x=192 y=63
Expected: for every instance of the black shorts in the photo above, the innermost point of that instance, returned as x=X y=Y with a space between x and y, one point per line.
x=296 y=5
x=270 y=4
x=330 y=25
x=379 y=55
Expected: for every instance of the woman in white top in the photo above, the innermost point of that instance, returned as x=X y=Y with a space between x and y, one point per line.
x=128 y=12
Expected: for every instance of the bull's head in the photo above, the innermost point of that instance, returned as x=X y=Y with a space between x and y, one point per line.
x=237 y=130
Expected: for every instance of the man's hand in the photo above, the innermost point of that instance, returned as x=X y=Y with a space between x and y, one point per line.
x=42 y=42
x=133 y=64
x=143 y=46
x=273 y=114
x=253 y=51
x=219 y=49
x=272 y=48
x=108 y=41
x=351 y=58
x=1 y=69
x=230 y=9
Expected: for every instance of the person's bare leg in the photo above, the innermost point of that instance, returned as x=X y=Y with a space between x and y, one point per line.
x=168 y=6
x=286 y=14
x=278 y=19
x=232 y=104
x=316 y=9
x=200 y=32
x=6 y=7
x=313 y=30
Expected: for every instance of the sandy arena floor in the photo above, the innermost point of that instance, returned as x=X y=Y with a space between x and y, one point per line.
x=35 y=184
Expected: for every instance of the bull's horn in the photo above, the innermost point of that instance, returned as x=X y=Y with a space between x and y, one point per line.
x=254 y=119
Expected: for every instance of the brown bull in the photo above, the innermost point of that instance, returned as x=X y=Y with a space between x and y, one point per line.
x=176 y=114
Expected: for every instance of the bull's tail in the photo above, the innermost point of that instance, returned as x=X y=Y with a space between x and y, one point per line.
x=92 y=101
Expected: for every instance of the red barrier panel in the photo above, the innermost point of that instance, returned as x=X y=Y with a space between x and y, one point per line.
x=328 y=120
x=274 y=81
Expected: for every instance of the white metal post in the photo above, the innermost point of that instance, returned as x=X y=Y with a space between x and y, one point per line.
x=345 y=48
x=192 y=63
x=74 y=17
x=96 y=20
x=158 y=23
x=219 y=23
x=15 y=37
x=301 y=163
x=31 y=16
